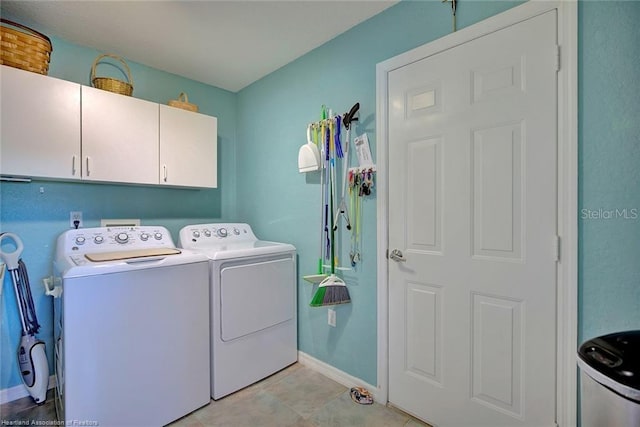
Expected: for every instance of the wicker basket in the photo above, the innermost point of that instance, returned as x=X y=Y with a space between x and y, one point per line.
x=24 y=48
x=183 y=102
x=108 y=83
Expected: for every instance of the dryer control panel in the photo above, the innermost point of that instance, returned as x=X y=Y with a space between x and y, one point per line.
x=207 y=234
x=103 y=239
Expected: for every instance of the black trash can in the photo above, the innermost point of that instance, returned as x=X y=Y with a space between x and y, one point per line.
x=610 y=380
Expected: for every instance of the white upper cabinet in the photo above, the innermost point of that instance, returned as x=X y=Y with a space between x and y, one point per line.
x=119 y=138
x=56 y=129
x=188 y=148
x=40 y=133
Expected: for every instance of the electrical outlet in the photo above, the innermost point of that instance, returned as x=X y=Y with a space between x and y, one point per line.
x=73 y=217
x=331 y=317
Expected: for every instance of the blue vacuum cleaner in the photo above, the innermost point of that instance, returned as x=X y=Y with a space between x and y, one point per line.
x=32 y=358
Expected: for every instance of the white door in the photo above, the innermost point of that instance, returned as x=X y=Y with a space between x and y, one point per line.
x=40 y=125
x=472 y=183
x=188 y=148
x=119 y=138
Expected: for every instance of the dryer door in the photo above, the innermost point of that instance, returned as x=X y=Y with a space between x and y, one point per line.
x=256 y=295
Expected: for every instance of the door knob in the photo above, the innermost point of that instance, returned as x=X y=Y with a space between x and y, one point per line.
x=396 y=255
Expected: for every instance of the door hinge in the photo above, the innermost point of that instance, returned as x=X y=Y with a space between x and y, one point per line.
x=556 y=249
x=557 y=59
x=387 y=254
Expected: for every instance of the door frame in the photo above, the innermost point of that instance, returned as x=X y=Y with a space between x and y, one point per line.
x=567 y=272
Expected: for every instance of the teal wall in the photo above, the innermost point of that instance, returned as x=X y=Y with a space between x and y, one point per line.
x=262 y=127
x=609 y=167
x=282 y=204
x=39 y=211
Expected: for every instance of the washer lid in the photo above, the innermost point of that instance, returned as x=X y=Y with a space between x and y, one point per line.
x=614 y=361
x=136 y=253
x=79 y=265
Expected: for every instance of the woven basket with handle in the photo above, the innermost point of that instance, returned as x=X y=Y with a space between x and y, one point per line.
x=111 y=84
x=183 y=102
x=23 y=47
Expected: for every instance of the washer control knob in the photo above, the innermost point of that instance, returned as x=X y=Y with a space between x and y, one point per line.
x=80 y=240
x=222 y=232
x=98 y=240
x=158 y=236
x=207 y=233
x=196 y=233
x=122 y=237
x=144 y=237
x=236 y=231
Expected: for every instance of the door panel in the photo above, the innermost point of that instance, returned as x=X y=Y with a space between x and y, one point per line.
x=119 y=138
x=188 y=148
x=472 y=186
x=39 y=125
x=497 y=369
x=497 y=191
x=424 y=332
x=424 y=164
x=244 y=288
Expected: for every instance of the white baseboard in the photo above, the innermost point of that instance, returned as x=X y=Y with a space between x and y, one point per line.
x=19 y=391
x=339 y=376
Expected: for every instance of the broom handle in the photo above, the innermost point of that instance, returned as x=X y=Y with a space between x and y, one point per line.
x=332 y=177
x=315 y=139
x=333 y=261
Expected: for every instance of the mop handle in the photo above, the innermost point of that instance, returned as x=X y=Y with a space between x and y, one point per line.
x=11 y=258
x=20 y=281
x=15 y=276
x=26 y=299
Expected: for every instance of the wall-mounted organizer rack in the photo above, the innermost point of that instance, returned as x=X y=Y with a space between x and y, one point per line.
x=340 y=196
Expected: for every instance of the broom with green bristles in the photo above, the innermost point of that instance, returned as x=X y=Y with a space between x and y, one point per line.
x=332 y=290
x=320 y=275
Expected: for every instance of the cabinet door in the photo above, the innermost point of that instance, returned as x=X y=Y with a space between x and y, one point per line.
x=188 y=148
x=40 y=125
x=119 y=138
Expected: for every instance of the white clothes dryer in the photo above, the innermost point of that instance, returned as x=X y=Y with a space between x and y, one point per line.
x=253 y=303
x=131 y=321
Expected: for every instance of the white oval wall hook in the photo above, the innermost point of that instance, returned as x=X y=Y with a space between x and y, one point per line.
x=11 y=258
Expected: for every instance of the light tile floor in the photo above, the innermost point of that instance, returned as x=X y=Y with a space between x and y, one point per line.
x=25 y=410
x=297 y=396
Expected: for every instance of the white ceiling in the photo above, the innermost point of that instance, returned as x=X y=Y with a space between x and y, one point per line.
x=228 y=44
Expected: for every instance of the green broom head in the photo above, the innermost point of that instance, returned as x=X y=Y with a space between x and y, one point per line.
x=331 y=291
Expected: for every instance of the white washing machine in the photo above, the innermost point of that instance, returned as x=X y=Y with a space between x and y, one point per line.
x=253 y=304
x=131 y=327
